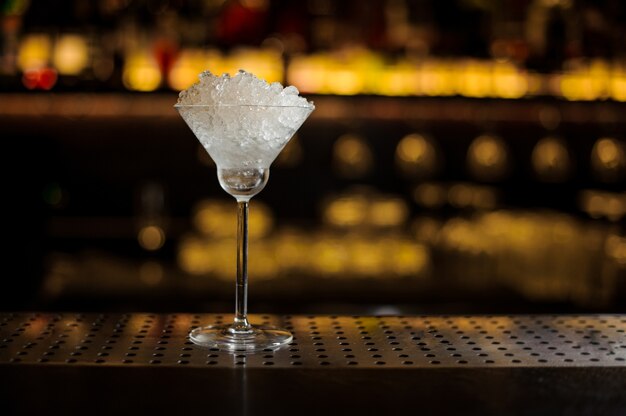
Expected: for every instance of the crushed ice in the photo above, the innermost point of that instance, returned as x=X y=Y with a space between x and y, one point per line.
x=244 y=89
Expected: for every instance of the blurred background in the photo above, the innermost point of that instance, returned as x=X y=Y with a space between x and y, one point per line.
x=466 y=156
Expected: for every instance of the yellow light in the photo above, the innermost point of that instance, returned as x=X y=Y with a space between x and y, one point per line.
x=70 y=54
x=595 y=205
x=508 y=81
x=345 y=81
x=388 y=212
x=347 y=211
x=551 y=160
x=141 y=72
x=460 y=196
x=215 y=218
x=430 y=195
x=437 y=78
x=609 y=153
x=34 y=52
x=292 y=250
x=408 y=259
x=426 y=229
x=415 y=155
x=195 y=256
x=262 y=261
x=474 y=80
x=484 y=197
x=608 y=159
x=618 y=87
x=151 y=237
x=186 y=69
x=581 y=85
x=261 y=219
x=487 y=157
x=329 y=256
x=224 y=258
x=366 y=257
x=307 y=73
x=352 y=156
x=267 y=64
x=615 y=248
x=218 y=219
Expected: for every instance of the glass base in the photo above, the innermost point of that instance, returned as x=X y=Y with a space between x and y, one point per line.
x=226 y=338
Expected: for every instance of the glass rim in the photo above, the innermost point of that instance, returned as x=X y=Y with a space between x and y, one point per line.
x=308 y=107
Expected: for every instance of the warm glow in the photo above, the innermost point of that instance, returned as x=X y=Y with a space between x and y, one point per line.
x=215 y=218
x=430 y=195
x=308 y=73
x=416 y=155
x=185 y=71
x=329 y=256
x=352 y=156
x=508 y=82
x=460 y=195
x=265 y=64
x=70 y=54
x=43 y=78
x=487 y=157
x=616 y=249
x=34 y=52
x=437 y=78
x=194 y=256
x=348 y=211
x=218 y=219
x=408 y=259
x=141 y=72
x=151 y=237
x=388 y=212
x=618 y=87
x=475 y=80
x=551 y=160
x=609 y=153
x=608 y=159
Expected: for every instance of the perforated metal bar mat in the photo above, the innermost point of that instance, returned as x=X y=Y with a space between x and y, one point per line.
x=140 y=339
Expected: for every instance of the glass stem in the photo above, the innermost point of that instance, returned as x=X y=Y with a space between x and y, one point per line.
x=241 y=290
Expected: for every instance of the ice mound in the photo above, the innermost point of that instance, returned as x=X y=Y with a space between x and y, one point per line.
x=242 y=121
x=243 y=88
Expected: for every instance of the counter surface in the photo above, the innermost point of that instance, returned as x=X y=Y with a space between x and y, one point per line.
x=532 y=364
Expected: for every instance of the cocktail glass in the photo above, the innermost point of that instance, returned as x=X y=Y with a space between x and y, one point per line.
x=243 y=141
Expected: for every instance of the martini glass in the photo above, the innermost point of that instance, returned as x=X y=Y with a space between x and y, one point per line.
x=243 y=141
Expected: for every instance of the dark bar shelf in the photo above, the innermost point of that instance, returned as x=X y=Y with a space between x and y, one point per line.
x=518 y=364
x=328 y=108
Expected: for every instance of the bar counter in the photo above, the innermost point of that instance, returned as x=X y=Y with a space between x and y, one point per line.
x=341 y=365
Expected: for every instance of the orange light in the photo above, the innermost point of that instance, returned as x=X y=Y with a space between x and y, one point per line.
x=151 y=237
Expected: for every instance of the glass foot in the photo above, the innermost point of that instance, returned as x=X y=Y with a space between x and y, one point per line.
x=226 y=338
